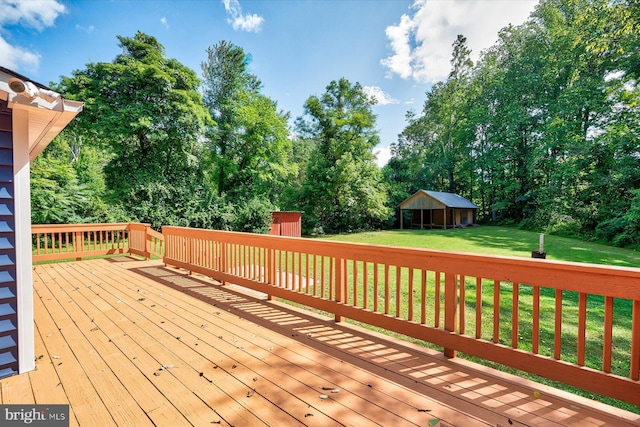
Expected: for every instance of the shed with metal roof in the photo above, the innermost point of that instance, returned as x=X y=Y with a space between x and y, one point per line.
x=429 y=209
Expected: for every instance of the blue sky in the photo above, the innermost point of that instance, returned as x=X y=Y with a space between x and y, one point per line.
x=396 y=49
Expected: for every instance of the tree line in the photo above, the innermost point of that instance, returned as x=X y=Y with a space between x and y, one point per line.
x=157 y=144
x=543 y=132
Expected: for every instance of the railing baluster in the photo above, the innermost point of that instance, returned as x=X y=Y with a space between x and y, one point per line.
x=322 y=277
x=478 y=307
x=340 y=296
x=450 y=307
x=365 y=285
x=386 y=289
x=410 y=299
x=436 y=314
x=423 y=298
x=354 y=266
x=398 y=292
x=608 y=335
x=515 y=315
x=461 y=303
x=535 y=331
x=306 y=271
x=375 y=287
x=582 y=327
x=496 y=311
x=557 y=331
x=332 y=277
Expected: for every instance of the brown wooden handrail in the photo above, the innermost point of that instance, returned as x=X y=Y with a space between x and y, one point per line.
x=68 y=241
x=429 y=295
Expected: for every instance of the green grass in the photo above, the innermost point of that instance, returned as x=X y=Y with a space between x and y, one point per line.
x=498 y=241
x=514 y=242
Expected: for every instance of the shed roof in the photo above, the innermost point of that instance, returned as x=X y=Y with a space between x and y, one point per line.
x=450 y=200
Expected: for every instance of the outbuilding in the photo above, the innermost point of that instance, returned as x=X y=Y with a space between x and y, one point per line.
x=437 y=209
x=286 y=224
x=31 y=115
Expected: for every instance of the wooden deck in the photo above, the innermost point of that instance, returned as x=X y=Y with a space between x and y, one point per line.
x=132 y=343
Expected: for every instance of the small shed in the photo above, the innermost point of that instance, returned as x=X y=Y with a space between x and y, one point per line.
x=438 y=209
x=286 y=224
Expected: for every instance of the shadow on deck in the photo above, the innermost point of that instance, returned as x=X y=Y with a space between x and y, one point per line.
x=143 y=344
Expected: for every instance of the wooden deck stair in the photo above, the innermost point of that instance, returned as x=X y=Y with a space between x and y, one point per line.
x=130 y=342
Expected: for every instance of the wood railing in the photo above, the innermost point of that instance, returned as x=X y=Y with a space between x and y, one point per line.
x=539 y=316
x=68 y=241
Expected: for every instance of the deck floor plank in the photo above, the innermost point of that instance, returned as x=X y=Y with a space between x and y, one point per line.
x=176 y=353
x=238 y=358
x=326 y=370
x=233 y=358
x=165 y=398
x=82 y=396
x=17 y=389
x=115 y=371
x=506 y=400
x=501 y=400
x=45 y=383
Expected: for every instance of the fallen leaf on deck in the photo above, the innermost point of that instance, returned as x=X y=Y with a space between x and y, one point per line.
x=434 y=421
x=536 y=394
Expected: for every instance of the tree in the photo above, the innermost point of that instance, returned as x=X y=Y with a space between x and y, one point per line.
x=147 y=111
x=433 y=151
x=343 y=189
x=249 y=141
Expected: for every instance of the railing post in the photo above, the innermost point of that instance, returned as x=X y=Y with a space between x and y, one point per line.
x=190 y=249
x=340 y=284
x=223 y=259
x=270 y=268
x=635 y=341
x=450 y=307
x=78 y=244
x=147 y=240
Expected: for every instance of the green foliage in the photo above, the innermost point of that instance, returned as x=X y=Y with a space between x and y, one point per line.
x=144 y=114
x=66 y=188
x=249 y=141
x=342 y=188
x=253 y=216
x=544 y=131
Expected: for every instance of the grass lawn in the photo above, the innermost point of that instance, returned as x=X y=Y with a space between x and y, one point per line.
x=489 y=240
x=514 y=242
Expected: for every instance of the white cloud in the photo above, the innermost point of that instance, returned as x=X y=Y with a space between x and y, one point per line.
x=36 y=14
x=421 y=42
x=246 y=22
x=16 y=58
x=88 y=29
x=383 y=154
x=380 y=96
x=164 y=22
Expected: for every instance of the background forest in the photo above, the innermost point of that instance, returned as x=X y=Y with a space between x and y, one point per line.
x=542 y=132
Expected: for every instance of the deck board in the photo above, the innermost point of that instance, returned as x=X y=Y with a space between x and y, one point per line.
x=106 y=328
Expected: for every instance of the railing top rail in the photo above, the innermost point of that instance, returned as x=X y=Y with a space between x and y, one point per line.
x=614 y=281
x=54 y=228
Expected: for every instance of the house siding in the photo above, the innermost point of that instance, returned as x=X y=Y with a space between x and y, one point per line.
x=8 y=273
